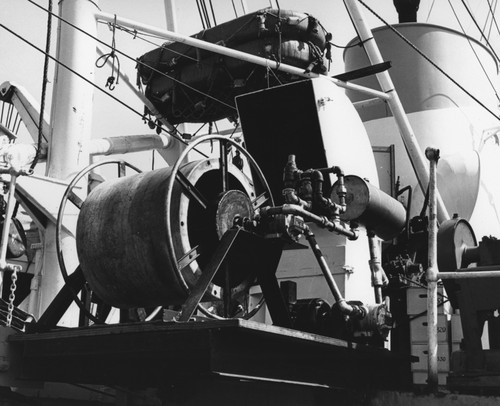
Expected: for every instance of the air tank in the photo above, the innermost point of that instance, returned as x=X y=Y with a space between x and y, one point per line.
x=442 y=115
x=371 y=207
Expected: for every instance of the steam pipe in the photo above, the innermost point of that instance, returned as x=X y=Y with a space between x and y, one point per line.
x=319 y=220
x=289 y=179
x=342 y=190
x=432 y=271
x=379 y=278
x=317 y=177
x=346 y=308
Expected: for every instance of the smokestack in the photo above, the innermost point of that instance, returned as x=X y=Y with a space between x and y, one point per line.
x=407 y=10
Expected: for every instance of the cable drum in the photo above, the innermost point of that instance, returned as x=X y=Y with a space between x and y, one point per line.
x=123 y=238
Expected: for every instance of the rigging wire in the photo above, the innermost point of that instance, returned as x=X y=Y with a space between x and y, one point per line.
x=243 y=6
x=416 y=49
x=474 y=51
x=213 y=12
x=430 y=11
x=493 y=14
x=479 y=28
x=357 y=44
x=134 y=59
x=201 y=15
x=486 y=23
x=202 y=10
x=205 y=13
x=234 y=8
x=178 y=137
x=45 y=80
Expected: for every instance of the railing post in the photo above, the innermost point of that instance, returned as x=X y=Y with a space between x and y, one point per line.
x=432 y=271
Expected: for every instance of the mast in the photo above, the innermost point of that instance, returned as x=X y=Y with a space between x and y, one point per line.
x=71 y=122
x=170 y=15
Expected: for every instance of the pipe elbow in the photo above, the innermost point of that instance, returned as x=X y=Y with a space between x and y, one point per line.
x=337 y=170
x=352 y=310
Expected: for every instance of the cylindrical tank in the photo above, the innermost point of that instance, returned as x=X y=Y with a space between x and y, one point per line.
x=441 y=114
x=122 y=237
x=371 y=207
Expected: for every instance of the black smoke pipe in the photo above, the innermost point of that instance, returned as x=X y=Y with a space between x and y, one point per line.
x=407 y=10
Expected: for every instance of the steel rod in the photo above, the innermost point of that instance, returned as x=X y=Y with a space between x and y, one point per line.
x=410 y=141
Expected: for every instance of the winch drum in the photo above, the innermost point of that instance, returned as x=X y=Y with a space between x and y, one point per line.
x=122 y=234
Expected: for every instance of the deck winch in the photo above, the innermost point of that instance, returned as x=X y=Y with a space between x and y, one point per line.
x=206 y=231
x=123 y=235
x=144 y=239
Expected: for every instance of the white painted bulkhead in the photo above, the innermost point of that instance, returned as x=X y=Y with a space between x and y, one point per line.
x=442 y=115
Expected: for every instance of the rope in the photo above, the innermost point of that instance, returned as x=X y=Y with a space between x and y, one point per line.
x=44 y=89
x=409 y=43
x=102 y=60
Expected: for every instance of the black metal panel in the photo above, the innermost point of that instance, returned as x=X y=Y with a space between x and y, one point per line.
x=278 y=122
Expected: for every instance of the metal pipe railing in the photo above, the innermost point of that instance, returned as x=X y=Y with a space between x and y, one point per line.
x=472 y=273
x=432 y=272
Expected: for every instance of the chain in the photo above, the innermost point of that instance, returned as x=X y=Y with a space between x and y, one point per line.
x=12 y=295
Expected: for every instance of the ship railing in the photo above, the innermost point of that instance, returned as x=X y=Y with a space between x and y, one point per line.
x=433 y=275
